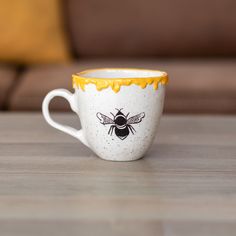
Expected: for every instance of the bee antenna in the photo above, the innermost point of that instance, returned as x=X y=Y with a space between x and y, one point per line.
x=119 y=109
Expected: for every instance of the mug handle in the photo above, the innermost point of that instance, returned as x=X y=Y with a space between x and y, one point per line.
x=64 y=128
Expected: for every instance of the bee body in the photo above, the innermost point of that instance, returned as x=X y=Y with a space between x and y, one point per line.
x=120 y=123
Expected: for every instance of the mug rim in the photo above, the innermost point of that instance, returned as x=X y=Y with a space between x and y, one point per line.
x=84 y=72
x=79 y=80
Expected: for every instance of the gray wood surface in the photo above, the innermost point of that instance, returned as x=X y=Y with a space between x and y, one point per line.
x=50 y=184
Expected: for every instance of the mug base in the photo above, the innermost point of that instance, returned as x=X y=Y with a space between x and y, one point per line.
x=121 y=159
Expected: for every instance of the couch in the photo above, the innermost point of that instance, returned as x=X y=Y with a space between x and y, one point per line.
x=194 y=41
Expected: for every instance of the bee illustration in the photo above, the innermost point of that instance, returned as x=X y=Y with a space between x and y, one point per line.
x=120 y=122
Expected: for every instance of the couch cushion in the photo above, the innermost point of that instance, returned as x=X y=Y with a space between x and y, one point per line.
x=154 y=27
x=7 y=77
x=206 y=86
x=32 y=32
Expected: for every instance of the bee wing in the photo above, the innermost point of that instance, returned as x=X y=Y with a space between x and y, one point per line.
x=105 y=120
x=136 y=119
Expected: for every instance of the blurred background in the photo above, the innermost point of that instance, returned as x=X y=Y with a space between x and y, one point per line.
x=44 y=41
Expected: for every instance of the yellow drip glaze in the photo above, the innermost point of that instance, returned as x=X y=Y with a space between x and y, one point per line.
x=116 y=83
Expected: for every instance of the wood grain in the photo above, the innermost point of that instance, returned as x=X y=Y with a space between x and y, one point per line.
x=186 y=185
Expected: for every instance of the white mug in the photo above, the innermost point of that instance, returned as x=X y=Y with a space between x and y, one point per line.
x=119 y=110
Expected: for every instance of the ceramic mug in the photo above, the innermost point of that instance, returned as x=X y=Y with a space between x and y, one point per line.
x=119 y=110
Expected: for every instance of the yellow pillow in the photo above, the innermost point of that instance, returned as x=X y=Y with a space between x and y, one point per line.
x=31 y=31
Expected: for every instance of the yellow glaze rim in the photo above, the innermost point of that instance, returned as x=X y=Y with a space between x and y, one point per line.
x=79 y=81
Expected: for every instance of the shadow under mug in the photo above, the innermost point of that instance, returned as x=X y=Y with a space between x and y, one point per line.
x=119 y=110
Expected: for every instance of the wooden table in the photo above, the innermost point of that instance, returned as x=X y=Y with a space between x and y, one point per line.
x=50 y=184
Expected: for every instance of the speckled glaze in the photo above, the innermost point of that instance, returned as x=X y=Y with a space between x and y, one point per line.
x=132 y=99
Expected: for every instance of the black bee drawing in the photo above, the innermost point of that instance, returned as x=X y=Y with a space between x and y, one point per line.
x=121 y=123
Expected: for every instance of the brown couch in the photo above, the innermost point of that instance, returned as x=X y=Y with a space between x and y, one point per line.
x=194 y=41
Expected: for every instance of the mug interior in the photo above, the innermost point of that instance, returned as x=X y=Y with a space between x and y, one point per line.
x=121 y=73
